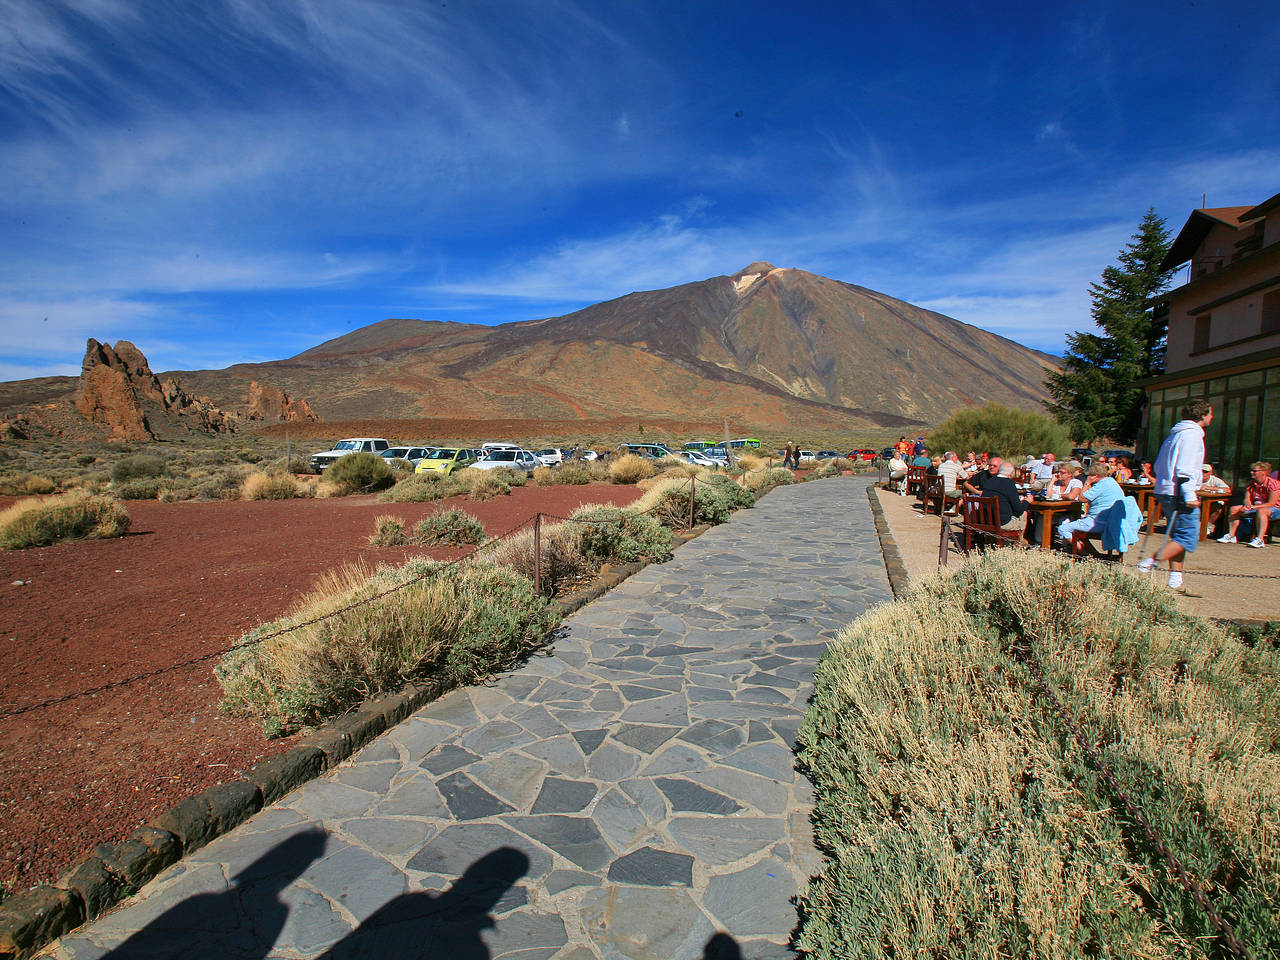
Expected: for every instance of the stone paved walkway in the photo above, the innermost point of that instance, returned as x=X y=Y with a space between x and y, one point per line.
x=632 y=794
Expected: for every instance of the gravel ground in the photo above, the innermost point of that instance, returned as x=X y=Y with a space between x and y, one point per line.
x=1226 y=581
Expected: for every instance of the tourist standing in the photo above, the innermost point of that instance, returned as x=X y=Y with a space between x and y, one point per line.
x=1178 y=470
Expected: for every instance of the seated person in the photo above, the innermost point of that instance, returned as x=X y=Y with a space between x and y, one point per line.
x=1261 y=505
x=1000 y=485
x=1212 y=483
x=978 y=480
x=1067 y=484
x=1123 y=470
x=1044 y=468
x=953 y=474
x=1146 y=474
x=921 y=460
x=1101 y=494
x=898 y=473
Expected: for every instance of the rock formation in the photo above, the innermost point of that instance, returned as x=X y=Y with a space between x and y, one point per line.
x=271 y=403
x=119 y=393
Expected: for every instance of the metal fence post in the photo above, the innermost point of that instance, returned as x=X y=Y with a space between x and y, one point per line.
x=944 y=540
x=537 y=553
x=692 y=489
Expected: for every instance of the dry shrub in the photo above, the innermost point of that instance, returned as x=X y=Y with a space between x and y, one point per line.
x=576 y=473
x=388 y=531
x=562 y=561
x=69 y=516
x=26 y=485
x=435 y=624
x=543 y=476
x=486 y=484
x=949 y=795
x=752 y=461
x=630 y=468
x=758 y=480
x=275 y=486
x=361 y=472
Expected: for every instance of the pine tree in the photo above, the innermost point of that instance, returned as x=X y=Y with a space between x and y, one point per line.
x=1097 y=392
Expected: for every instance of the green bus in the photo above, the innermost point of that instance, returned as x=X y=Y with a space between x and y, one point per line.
x=699 y=445
x=751 y=442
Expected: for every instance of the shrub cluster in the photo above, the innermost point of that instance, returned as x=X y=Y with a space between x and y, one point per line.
x=453 y=528
x=69 y=516
x=950 y=797
x=26 y=485
x=137 y=466
x=445 y=626
x=614 y=533
x=422 y=487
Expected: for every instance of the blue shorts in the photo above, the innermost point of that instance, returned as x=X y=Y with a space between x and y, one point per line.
x=1186 y=526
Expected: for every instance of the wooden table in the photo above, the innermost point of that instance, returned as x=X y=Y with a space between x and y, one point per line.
x=1047 y=510
x=1207 y=497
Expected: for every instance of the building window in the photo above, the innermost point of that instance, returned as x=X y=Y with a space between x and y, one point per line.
x=1201 y=343
x=1271 y=312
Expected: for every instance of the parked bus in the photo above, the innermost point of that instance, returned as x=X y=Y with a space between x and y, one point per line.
x=699 y=445
x=751 y=442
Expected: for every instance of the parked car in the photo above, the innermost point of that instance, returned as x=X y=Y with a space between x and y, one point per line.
x=886 y=453
x=829 y=455
x=807 y=456
x=1084 y=454
x=718 y=454
x=513 y=459
x=699 y=459
x=553 y=456
x=650 y=451
x=1120 y=453
x=446 y=460
x=586 y=456
x=412 y=454
x=322 y=461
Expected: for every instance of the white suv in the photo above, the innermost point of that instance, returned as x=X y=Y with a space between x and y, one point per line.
x=322 y=461
x=512 y=459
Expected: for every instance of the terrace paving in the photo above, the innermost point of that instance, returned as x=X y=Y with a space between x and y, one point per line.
x=630 y=794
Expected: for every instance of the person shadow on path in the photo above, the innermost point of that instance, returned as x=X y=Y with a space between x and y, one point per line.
x=446 y=924
x=241 y=922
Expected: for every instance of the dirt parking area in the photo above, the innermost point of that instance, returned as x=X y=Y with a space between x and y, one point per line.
x=1228 y=581
x=188 y=580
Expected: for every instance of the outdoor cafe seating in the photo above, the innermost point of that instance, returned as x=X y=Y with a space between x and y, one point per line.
x=915 y=480
x=981 y=517
x=934 y=494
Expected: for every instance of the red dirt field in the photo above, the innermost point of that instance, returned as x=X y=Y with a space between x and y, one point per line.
x=188 y=580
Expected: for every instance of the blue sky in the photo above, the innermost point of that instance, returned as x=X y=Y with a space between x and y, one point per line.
x=239 y=180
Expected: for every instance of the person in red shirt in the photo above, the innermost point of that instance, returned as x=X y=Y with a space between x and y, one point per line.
x=1261 y=501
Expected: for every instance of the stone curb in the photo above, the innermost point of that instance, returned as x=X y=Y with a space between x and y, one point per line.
x=899 y=581
x=35 y=917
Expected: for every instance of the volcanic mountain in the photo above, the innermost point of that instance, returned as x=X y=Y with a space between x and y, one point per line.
x=766 y=347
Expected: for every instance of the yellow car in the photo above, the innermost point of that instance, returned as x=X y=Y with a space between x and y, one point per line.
x=445 y=460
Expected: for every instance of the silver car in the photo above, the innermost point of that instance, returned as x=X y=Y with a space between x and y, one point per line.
x=512 y=459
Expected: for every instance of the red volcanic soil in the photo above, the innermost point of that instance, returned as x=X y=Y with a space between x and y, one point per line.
x=186 y=582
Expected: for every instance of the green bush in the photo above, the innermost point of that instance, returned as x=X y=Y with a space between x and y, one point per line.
x=950 y=796
x=223 y=485
x=451 y=528
x=572 y=474
x=135 y=467
x=423 y=487
x=561 y=563
x=26 y=485
x=612 y=533
x=361 y=472
x=71 y=516
x=1007 y=432
x=444 y=626
x=85 y=459
x=143 y=488
x=249 y=455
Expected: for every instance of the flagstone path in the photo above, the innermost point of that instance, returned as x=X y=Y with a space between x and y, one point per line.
x=631 y=794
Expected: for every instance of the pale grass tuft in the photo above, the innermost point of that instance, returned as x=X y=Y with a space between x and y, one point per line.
x=77 y=515
x=630 y=468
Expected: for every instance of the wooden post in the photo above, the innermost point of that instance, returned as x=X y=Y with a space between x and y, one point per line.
x=692 y=489
x=537 y=553
x=944 y=539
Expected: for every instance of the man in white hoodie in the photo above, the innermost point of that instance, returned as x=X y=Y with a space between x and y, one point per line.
x=1178 y=478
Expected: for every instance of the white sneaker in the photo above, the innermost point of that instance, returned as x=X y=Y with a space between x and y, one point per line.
x=1147 y=565
x=1257 y=542
x=1227 y=539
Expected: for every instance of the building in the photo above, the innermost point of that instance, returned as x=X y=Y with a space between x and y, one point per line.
x=1224 y=336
